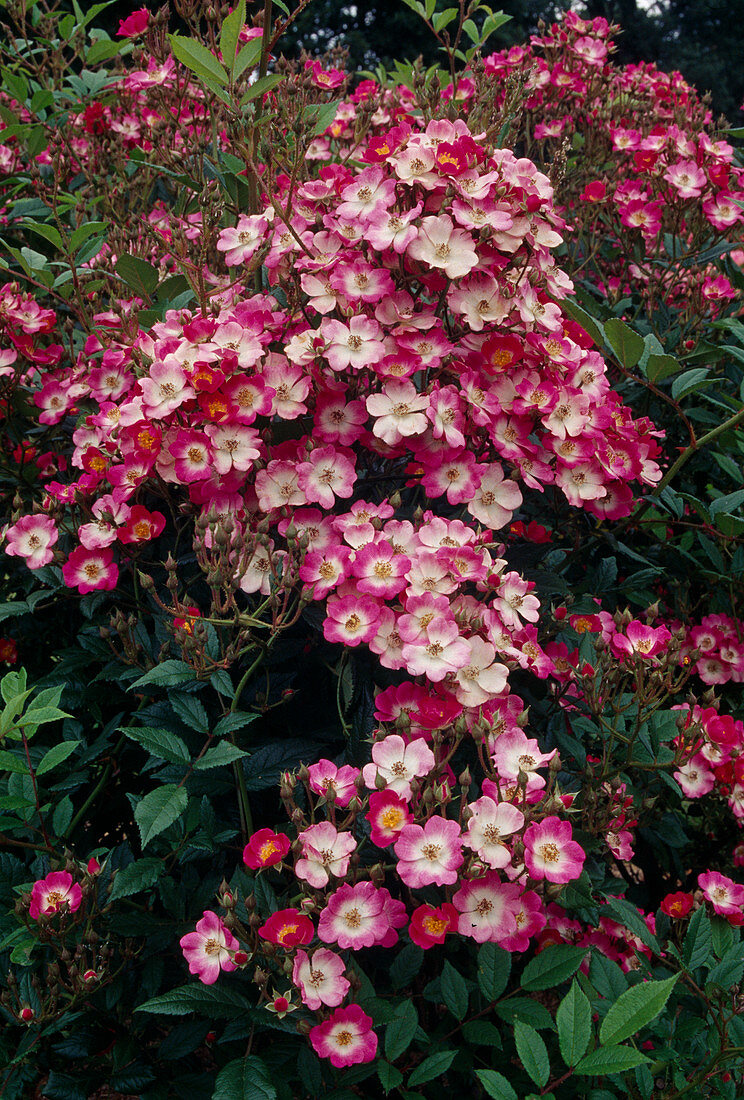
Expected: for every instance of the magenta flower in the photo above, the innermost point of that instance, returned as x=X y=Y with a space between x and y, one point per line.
x=53 y=894
x=550 y=853
x=209 y=949
x=355 y=916
x=387 y=815
x=327 y=778
x=488 y=908
x=88 y=570
x=264 y=849
x=347 y=1038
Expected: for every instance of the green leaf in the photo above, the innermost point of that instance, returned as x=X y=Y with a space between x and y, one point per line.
x=263 y=85
x=191 y=712
x=454 y=991
x=532 y=1052
x=727 y=503
x=166 y=674
x=494 y=967
x=730 y=969
x=103 y=50
x=197 y=58
x=161 y=743
x=244 y=1079
x=574 y=1020
x=56 y=755
x=690 y=381
x=230 y=723
x=660 y=367
x=219 y=755
x=431 y=1067
x=610 y=1060
x=627 y=345
x=230 y=32
x=400 y=1031
x=248 y=57
x=628 y=915
x=48 y=232
x=62 y=816
x=159 y=809
x=481 y=1033
x=634 y=1009
x=525 y=1009
x=552 y=966
x=698 y=942
x=138 y=274
x=406 y=965
x=443 y=19
x=82 y=233
x=390 y=1076
x=495 y=1084
x=9 y=762
x=139 y=875
x=217 y=1001
x=321 y=115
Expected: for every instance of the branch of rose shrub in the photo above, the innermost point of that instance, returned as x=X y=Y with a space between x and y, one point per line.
x=98 y=787
x=674 y=469
x=32 y=773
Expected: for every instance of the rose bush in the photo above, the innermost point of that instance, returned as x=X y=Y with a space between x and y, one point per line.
x=324 y=506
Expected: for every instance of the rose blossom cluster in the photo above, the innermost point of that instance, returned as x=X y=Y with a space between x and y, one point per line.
x=655 y=164
x=489 y=859
x=426 y=338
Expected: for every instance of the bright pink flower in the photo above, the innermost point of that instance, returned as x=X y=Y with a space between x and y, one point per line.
x=288 y=928
x=677 y=905
x=387 y=815
x=429 y=855
x=241 y=242
x=209 y=949
x=265 y=848
x=514 y=752
x=398 y=763
x=640 y=640
x=488 y=908
x=347 y=1038
x=88 y=570
x=725 y=895
x=325 y=852
x=440 y=245
x=141 y=525
x=430 y=925
x=54 y=894
x=321 y=981
x=550 y=853
x=134 y=24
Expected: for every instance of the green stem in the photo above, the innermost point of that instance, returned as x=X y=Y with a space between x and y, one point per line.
x=686 y=455
x=246 y=817
x=96 y=790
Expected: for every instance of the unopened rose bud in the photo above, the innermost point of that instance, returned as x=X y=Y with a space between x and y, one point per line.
x=240 y=958
x=465 y=779
x=26 y=1014
x=93 y=866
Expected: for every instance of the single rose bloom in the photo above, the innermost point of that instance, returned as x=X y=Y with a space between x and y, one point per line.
x=209 y=948
x=264 y=849
x=725 y=895
x=429 y=925
x=51 y=895
x=676 y=905
x=320 y=980
x=550 y=853
x=288 y=928
x=347 y=1038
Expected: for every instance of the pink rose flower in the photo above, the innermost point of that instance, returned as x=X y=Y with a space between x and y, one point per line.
x=347 y=1038
x=321 y=981
x=209 y=949
x=550 y=853
x=53 y=893
x=430 y=855
x=265 y=848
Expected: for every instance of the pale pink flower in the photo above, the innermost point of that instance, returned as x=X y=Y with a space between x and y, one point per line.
x=482 y=677
x=325 y=777
x=440 y=245
x=354 y=916
x=442 y=651
x=490 y=823
x=32 y=538
x=551 y=853
x=399 y=411
x=351 y=620
x=354 y=345
x=496 y=498
x=398 y=763
x=514 y=752
x=241 y=242
x=429 y=855
x=488 y=908
x=326 y=475
x=209 y=949
x=321 y=981
x=325 y=852
x=531 y=920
